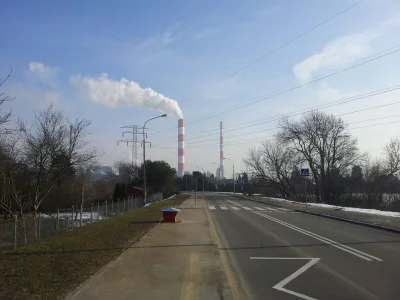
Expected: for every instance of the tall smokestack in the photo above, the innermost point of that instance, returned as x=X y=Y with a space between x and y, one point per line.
x=221 y=151
x=181 y=147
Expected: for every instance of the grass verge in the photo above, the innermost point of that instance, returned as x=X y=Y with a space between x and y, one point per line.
x=52 y=267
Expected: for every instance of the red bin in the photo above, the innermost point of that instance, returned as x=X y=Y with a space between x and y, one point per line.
x=169 y=214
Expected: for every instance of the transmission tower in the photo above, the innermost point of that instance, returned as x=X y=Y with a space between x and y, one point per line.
x=133 y=132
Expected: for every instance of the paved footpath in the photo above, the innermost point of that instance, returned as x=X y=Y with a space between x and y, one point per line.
x=173 y=261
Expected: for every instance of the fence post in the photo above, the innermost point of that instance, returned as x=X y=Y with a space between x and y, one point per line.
x=91 y=213
x=118 y=205
x=72 y=217
x=98 y=210
x=58 y=221
x=80 y=216
x=106 y=209
x=124 y=205
x=15 y=230
x=40 y=218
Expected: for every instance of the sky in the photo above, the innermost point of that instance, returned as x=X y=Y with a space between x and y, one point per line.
x=245 y=63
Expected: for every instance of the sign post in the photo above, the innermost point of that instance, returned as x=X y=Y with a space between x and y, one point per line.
x=305 y=172
x=196 y=174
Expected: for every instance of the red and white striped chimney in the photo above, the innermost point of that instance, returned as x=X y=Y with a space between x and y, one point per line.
x=181 y=147
x=221 y=152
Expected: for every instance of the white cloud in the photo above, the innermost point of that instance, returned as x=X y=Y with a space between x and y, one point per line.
x=343 y=50
x=105 y=91
x=46 y=75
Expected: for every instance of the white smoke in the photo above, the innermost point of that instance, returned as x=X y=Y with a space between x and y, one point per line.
x=111 y=93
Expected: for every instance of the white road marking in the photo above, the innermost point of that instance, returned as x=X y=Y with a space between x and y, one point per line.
x=280 y=285
x=223 y=207
x=259 y=208
x=284 y=209
x=235 y=208
x=232 y=202
x=247 y=208
x=211 y=207
x=322 y=239
x=271 y=209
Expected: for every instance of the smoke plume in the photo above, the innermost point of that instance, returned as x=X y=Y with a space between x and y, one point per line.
x=111 y=93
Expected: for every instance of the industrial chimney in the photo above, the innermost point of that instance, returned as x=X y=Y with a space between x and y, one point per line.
x=181 y=147
x=221 y=152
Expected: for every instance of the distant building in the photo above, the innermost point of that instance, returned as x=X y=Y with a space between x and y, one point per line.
x=208 y=174
x=187 y=173
x=218 y=174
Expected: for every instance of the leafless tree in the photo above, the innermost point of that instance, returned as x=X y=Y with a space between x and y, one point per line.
x=53 y=147
x=392 y=159
x=4 y=116
x=126 y=171
x=274 y=164
x=325 y=144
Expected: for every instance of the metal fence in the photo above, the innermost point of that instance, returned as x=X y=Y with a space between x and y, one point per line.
x=17 y=231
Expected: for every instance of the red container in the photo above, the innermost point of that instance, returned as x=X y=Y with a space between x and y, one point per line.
x=169 y=214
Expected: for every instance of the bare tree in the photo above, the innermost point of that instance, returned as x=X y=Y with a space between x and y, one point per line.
x=4 y=116
x=126 y=171
x=53 y=147
x=273 y=165
x=392 y=159
x=325 y=144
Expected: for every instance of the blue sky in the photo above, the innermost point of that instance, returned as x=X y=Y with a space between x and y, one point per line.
x=182 y=49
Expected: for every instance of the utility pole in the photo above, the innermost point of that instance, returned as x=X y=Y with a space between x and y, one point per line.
x=134 y=141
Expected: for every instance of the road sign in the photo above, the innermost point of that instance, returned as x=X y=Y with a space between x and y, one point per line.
x=241 y=181
x=305 y=172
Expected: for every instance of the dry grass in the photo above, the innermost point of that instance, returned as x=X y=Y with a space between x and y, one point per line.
x=54 y=266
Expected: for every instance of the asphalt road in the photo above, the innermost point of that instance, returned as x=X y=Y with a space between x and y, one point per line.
x=282 y=254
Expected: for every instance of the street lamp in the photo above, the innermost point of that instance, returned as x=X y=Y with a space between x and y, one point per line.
x=203 y=176
x=233 y=173
x=144 y=155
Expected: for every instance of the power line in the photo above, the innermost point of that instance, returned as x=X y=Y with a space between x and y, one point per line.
x=352 y=112
x=273 y=95
x=292 y=40
x=322 y=106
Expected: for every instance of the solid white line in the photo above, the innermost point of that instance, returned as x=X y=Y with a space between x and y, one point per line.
x=271 y=209
x=246 y=208
x=235 y=208
x=223 y=207
x=259 y=208
x=284 y=209
x=323 y=239
x=280 y=285
x=211 y=207
x=232 y=202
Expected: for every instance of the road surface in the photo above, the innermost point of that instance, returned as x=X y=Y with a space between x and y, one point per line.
x=281 y=254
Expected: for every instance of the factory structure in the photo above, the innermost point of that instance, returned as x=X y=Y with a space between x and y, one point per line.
x=181 y=151
x=181 y=147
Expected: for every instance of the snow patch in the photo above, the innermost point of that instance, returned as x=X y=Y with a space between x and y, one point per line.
x=352 y=209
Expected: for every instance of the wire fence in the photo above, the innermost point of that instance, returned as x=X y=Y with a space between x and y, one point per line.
x=27 y=229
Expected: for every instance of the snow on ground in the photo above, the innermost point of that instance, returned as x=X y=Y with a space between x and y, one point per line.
x=343 y=208
x=173 y=196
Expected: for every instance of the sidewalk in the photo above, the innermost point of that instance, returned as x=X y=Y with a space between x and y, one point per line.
x=383 y=221
x=173 y=261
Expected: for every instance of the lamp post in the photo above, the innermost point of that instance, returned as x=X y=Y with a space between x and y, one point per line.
x=204 y=171
x=233 y=173
x=144 y=155
x=214 y=163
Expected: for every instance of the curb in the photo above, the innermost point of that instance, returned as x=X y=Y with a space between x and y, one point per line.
x=333 y=217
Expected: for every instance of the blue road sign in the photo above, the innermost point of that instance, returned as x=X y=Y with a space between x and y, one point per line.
x=305 y=172
x=241 y=181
